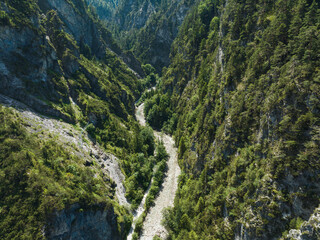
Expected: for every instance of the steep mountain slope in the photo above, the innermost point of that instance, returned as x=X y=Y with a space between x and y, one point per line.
x=51 y=175
x=60 y=61
x=105 y=9
x=51 y=49
x=148 y=28
x=242 y=98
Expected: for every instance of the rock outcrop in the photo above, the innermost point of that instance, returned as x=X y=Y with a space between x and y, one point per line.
x=59 y=61
x=309 y=230
x=78 y=224
x=25 y=60
x=41 y=51
x=146 y=27
x=86 y=32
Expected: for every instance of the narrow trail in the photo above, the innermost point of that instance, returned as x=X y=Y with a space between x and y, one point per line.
x=152 y=224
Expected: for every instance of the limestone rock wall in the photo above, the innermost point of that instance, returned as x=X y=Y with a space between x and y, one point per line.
x=78 y=224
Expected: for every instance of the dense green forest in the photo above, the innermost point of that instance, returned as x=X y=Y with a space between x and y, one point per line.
x=81 y=79
x=39 y=176
x=237 y=84
x=147 y=28
x=241 y=97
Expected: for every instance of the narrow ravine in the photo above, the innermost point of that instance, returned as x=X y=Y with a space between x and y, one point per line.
x=152 y=224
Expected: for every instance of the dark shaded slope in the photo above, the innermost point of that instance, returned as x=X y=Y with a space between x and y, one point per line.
x=147 y=28
x=44 y=50
x=59 y=60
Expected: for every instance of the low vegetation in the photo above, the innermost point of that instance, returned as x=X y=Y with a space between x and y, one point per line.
x=158 y=175
x=39 y=176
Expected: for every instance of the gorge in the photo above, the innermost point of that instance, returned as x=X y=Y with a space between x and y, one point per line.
x=159 y=119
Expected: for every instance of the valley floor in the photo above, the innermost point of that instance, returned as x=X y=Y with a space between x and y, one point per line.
x=152 y=224
x=79 y=143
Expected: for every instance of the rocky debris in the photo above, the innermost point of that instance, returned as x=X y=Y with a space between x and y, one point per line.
x=152 y=224
x=75 y=139
x=309 y=230
x=138 y=212
x=140 y=115
x=110 y=165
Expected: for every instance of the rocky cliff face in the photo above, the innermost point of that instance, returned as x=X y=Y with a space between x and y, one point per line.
x=24 y=61
x=148 y=28
x=154 y=39
x=61 y=62
x=86 y=221
x=78 y=224
x=300 y=207
x=309 y=230
x=86 y=31
x=41 y=51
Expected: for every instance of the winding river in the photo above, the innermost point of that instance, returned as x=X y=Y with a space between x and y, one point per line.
x=152 y=224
